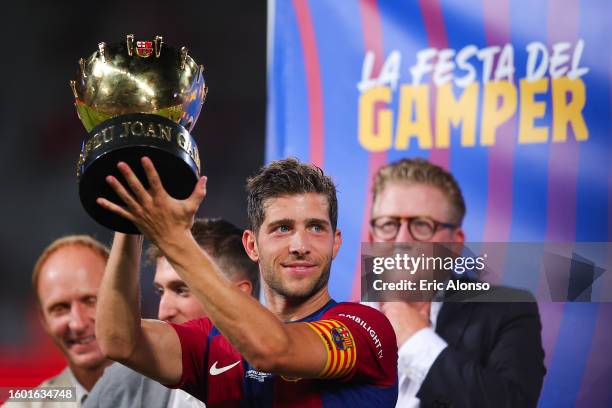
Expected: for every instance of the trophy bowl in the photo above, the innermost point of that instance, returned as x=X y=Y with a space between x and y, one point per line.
x=135 y=99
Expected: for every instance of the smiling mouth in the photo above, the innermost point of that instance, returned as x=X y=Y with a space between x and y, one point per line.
x=81 y=341
x=299 y=267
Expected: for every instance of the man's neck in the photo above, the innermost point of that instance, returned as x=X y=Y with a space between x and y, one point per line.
x=290 y=310
x=87 y=377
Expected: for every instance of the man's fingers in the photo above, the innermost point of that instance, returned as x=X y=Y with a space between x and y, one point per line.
x=122 y=192
x=198 y=193
x=135 y=185
x=152 y=175
x=110 y=206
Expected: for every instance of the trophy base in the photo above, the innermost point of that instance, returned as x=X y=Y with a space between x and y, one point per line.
x=171 y=155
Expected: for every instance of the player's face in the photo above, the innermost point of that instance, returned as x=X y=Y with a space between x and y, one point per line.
x=296 y=245
x=176 y=303
x=414 y=199
x=67 y=288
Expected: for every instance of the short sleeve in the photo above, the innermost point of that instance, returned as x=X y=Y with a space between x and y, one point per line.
x=193 y=336
x=368 y=332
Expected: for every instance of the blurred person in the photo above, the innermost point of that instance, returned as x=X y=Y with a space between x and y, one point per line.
x=304 y=350
x=459 y=354
x=65 y=280
x=121 y=387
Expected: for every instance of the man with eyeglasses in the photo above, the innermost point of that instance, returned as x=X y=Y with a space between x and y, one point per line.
x=466 y=354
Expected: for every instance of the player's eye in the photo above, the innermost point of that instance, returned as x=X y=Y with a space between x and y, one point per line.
x=283 y=228
x=91 y=300
x=317 y=228
x=182 y=291
x=59 y=309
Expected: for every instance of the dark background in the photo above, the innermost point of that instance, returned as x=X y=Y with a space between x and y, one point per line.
x=41 y=135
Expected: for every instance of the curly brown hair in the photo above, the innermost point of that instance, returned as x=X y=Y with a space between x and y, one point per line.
x=287 y=177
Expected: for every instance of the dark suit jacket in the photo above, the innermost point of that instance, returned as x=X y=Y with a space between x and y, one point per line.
x=494 y=356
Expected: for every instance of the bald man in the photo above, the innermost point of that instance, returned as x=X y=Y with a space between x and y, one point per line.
x=65 y=280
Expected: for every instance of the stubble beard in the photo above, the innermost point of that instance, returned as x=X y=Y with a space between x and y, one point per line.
x=276 y=284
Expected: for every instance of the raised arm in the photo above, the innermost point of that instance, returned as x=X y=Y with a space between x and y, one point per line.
x=148 y=346
x=263 y=340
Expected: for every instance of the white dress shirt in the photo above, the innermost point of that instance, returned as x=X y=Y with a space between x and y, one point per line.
x=415 y=358
x=80 y=391
x=182 y=399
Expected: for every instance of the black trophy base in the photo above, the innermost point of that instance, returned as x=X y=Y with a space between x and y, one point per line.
x=177 y=170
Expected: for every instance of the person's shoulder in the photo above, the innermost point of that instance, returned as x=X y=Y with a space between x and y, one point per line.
x=464 y=289
x=354 y=307
x=510 y=294
x=514 y=302
x=362 y=315
x=62 y=379
x=119 y=374
x=373 y=336
x=499 y=300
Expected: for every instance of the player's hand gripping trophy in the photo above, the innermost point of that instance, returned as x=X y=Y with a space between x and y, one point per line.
x=135 y=99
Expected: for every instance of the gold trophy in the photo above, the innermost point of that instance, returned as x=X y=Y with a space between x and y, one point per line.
x=137 y=98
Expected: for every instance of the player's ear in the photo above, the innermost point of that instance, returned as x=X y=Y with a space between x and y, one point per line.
x=245 y=285
x=459 y=236
x=337 y=243
x=458 y=240
x=249 y=242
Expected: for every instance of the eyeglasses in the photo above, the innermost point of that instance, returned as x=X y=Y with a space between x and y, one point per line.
x=421 y=228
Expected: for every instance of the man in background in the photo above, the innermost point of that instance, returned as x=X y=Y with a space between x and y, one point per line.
x=66 y=279
x=465 y=354
x=121 y=387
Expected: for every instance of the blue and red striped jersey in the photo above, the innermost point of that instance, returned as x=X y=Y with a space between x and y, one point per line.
x=361 y=370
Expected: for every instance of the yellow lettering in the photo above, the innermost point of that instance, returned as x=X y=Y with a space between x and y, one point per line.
x=449 y=110
x=419 y=127
x=568 y=112
x=531 y=110
x=375 y=138
x=494 y=113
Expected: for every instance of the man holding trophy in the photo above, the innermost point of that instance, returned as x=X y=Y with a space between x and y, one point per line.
x=304 y=349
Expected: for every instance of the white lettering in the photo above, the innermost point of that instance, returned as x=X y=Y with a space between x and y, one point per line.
x=423 y=65
x=536 y=72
